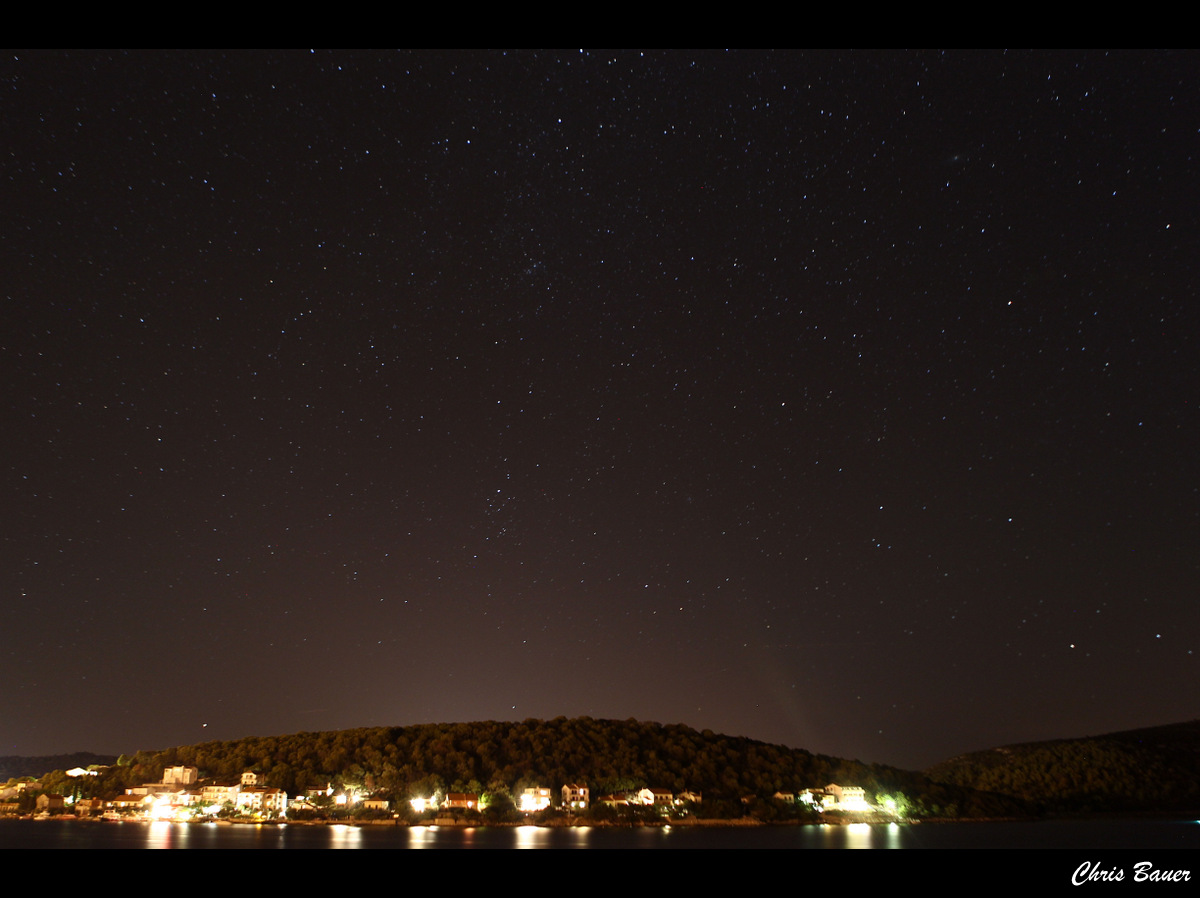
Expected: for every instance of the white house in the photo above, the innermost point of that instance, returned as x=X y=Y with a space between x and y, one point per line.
x=575 y=796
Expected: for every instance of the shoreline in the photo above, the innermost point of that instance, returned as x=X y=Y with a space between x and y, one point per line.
x=696 y=823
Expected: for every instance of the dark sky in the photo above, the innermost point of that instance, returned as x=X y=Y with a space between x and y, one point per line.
x=844 y=400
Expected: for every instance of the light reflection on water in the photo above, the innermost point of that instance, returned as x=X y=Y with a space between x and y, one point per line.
x=164 y=835
x=532 y=837
x=858 y=835
x=342 y=836
x=1077 y=834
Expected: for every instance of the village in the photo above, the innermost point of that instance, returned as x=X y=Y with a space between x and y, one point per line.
x=183 y=797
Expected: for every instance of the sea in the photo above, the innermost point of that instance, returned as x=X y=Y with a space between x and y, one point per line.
x=1147 y=834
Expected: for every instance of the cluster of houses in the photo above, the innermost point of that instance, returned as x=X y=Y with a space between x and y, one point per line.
x=575 y=797
x=181 y=796
x=178 y=795
x=832 y=798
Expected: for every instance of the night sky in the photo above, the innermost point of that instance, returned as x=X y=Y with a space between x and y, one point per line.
x=843 y=400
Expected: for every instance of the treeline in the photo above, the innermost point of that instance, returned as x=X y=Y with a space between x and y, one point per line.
x=503 y=758
x=14 y=766
x=1138 y=770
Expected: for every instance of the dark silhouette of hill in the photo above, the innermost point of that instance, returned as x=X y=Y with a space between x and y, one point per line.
x=505 y=757
x=13 y=766
x=1152 y=769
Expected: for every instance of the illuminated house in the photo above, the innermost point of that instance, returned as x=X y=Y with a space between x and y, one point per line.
x=128 y=802
x=660 y=797
x=173 y=780
x=468 y=800
x=180 y=776
x=421 y=805
x=848 y=798
x=535 y=798
x=218 y=794
x=575 y=797
x=836 y=798
x=262 y=800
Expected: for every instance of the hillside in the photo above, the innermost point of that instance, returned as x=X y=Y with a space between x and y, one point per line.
x=491 y=756
x=1157 y=768
x=12 y=766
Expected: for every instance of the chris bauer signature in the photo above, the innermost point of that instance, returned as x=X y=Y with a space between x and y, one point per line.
x=1143 y=871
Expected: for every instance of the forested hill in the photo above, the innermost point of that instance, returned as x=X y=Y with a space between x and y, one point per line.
x=608 y=754
x=1151 y=769
x=490 y=756
x=12 y=766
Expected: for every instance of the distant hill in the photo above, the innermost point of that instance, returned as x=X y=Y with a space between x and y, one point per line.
x=1151 y=769
x=13 y=766
x=492 y=756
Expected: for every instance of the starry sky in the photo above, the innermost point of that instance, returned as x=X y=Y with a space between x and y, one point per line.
x=846 y=400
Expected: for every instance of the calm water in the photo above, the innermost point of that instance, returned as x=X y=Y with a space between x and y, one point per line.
x=1079 y=835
